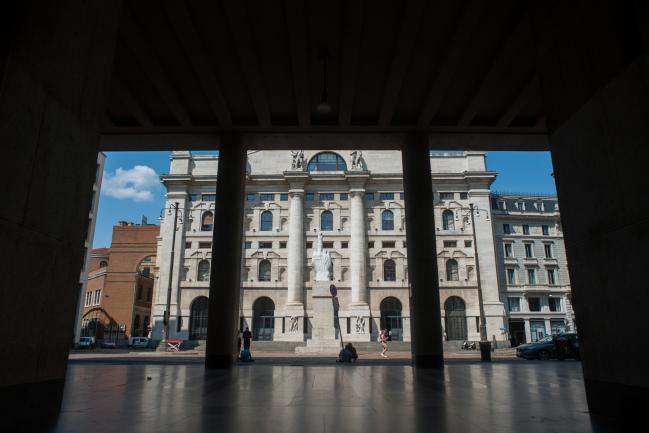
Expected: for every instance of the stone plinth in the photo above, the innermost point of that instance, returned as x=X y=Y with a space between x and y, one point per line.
x=323 y=331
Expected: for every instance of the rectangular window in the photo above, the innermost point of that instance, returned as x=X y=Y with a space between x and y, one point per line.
x=446 y=196
x=507 y=229
x=349 y=325
x=265 y=245
x=528 y=251
x=545 y=230
x=387 y=244
x=97 y=297
x=468 y=244
x=282 y=244
x=209 y=197
x=450 y=244
x=344 y=245
x=266 y=197
x=327 y=244
x=370 y=244
x=402 y=196
x=552 y=279
x=309 y=196
x=369 y=196
x=193 y=197
x=511 y=276
x=283 y=197
x=526 y=229
x=514 y=304
x=250 y=197
x=205 y=245
x=309 y=245
x=531 y=276
x=464 y=195
x=554 y=304
x=558 y=326
x=509 y=250
x=326 y=196
x=548 y=251
x=534 y=303
x=537 y=329
x=386 y=196
x=247 y=245
x=344 y=196
x=477 y=324
x=188 y=245
x=88 y=298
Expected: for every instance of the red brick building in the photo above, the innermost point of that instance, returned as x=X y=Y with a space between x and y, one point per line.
x=117 y=303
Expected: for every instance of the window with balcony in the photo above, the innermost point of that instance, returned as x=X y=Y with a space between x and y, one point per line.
x=509 y=250
x=546 y=230
x=529 y=253
x=531 y=276
x=534 y=303
x=548 y=251
x=389 y=270
x=554 y=304
x=266 y=221
x=511 y=276
x=552 y=278
x=326 y=221
x=514 y=304
x=526 y=229
x=387 y=220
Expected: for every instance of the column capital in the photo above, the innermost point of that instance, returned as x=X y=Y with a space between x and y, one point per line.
x=296 y=192
x=356 y=192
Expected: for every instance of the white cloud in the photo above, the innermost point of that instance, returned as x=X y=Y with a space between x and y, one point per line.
x=138 y=183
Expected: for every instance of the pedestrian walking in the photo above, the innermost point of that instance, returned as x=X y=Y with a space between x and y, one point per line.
x=383 y=339
x=247 y=336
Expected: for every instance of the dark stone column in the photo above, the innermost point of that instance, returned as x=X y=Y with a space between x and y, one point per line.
x=54 y=64
x=225 y=276
x=425 y=319
x=594 y=72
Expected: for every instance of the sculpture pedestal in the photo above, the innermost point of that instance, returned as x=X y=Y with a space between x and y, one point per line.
x=324 y=338
x=360 y=321
x=294 y=314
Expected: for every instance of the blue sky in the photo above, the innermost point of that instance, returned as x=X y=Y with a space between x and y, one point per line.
x=131 y=188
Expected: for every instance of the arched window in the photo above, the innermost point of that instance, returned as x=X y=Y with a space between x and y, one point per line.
x=448 y=220
x=264 y=270
x=326 y=221
x=103 y=264
x=451 y=270
x=207 y=222
x=387 y=220
x=266 y=221
x=203 y=271
x=389 y=270
x=198 y=319
x=455 y=318
x=327 y=161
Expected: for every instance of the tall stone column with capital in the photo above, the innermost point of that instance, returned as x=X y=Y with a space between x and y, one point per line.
x=294 y=308
x=359 y=307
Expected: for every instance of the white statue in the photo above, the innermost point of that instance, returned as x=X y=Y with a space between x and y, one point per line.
x=294 y=324
x=357 y=160
x=321 y=261
x=298 y=160
x=360 y=325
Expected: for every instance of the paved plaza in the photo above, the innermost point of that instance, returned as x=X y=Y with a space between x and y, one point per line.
x=466 y=396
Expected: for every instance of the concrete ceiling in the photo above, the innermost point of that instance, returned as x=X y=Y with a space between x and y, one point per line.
x=202 y=67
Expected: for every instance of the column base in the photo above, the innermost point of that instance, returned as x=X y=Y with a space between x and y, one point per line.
x=428 y=361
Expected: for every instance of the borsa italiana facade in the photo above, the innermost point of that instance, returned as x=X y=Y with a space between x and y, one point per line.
x=357 y=202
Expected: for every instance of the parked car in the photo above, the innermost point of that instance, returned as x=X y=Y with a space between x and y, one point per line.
x=138 y=342
x=559 y=346
x=87 y=343
x=108 y=344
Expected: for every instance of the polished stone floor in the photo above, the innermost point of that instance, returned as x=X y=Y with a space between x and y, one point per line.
x=508 y=396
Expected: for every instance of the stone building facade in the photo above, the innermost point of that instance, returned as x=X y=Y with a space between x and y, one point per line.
x=117 y=303
x=357 y=201
x=532 y=266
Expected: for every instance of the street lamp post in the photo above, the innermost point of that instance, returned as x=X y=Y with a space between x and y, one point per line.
x=485 y=344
